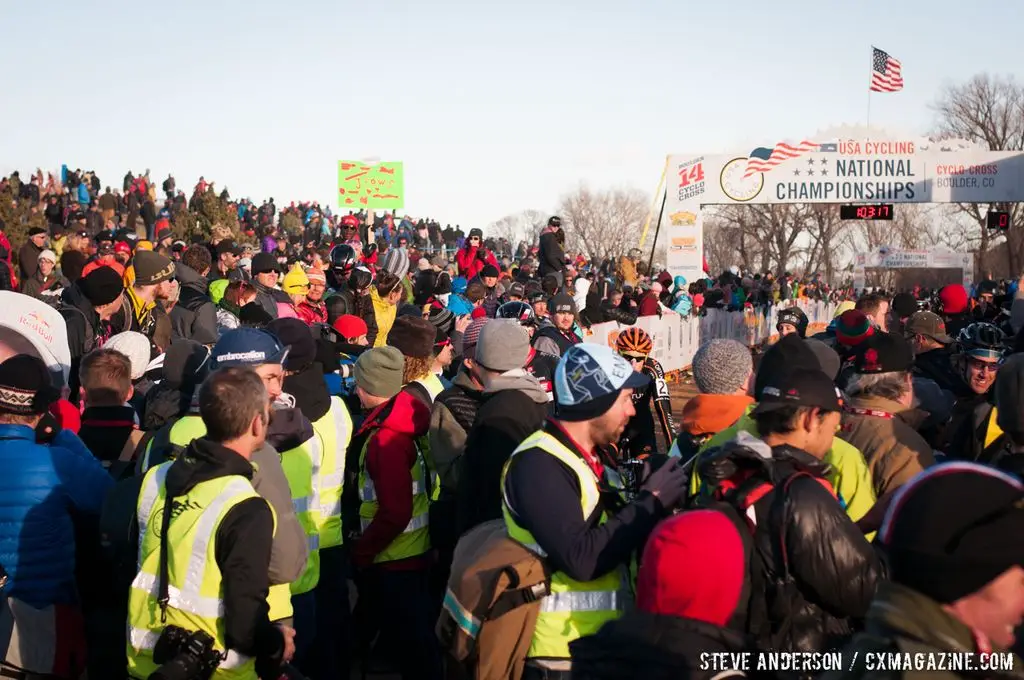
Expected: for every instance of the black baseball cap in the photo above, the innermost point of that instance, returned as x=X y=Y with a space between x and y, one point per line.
x=799 y=387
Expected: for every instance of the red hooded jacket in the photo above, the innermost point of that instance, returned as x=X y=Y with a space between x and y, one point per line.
x=390 y=454
x=472 y=259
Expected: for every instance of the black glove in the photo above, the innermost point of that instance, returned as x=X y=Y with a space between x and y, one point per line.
x=47 y=428
x=369 y=249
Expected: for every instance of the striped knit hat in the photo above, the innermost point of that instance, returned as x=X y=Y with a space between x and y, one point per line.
x=852 y=328
x=471 y=335
x=396 y=261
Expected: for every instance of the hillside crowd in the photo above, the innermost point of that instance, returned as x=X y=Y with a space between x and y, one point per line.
x=315 y=444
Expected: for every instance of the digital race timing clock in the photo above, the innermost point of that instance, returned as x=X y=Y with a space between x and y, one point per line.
x=880 y=211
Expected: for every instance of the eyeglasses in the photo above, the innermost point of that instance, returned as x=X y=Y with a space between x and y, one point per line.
x=983 y=366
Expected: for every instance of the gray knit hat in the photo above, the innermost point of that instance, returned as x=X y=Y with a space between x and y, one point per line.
x=721 y=366
x=396 y=261
x=379 y=371
x=503 y=345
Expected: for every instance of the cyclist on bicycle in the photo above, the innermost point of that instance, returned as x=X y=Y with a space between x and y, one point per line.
x=639 y=437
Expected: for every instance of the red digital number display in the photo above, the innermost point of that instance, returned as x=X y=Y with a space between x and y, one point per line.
x=881 y=211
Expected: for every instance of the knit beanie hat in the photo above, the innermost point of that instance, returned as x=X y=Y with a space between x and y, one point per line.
x=413 y=336
x=48 y=255
x=693 y=566
x=253 y=314
x=828 y=358
x=379 y=371
x=471 y=335
x=25 y=386
x=296 y=336
x=101 y=286
x=904 y=304
x=721 y=366
x=136 y=347
x=316 y=275
x=852 y=328
x=947 y=550
x=350 y=326
x=295 y=281
x=443 y=319
x=502 y=346
x=152 y=268
x=953 y=299
x=396 y=261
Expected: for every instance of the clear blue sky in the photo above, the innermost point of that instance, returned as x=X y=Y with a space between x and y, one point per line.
x=493 y=106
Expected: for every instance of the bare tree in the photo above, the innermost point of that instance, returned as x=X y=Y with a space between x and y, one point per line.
x=823 y=226
x=524 y=225
x=988 y=110
x=765 y=236
x=603 y=224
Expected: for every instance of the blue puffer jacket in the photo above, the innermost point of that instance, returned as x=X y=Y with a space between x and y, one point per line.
x=39 y=488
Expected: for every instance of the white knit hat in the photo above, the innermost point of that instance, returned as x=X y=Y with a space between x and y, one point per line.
x=133 y=345
x=48 y=255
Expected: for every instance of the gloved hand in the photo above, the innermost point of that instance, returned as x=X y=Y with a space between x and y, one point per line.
x=47 y=428
x=667 y=484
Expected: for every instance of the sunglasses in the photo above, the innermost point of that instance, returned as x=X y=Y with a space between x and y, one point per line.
x=634 y=357
x=983 y=366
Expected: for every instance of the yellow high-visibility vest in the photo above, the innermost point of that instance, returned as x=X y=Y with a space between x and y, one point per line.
x=573 y=609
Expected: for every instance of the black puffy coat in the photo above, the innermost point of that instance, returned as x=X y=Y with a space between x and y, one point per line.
x=653 y=646
x=835 y=571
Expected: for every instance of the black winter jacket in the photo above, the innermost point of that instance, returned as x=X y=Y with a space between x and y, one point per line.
x=195 y=315
x=550 y=255
x=834 y=569
x=655 y=647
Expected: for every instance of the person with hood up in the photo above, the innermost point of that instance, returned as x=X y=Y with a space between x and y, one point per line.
x=315 y=469
x=195 y=315
x=296 y=286
x=183 y=368
x=265 y=271
x=474 y=256
x=956 y=583
x=87 y=309
x=513 y=406
x=392 y=555
x=879 y=418
x=458 y=304
x=791 y=320
x=723 y=371
x=691 y=584
x=47 y=282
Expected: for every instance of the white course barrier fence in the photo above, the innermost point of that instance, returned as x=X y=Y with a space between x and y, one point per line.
x=677 y=338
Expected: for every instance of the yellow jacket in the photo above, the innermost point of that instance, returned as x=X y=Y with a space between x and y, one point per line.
x=850 y=476
x=385 y=313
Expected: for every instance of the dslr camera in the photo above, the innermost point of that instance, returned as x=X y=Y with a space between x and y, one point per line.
x=184 y=655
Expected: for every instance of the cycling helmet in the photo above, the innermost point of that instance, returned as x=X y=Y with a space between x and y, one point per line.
x=343 y=258
x=360 y=278
x=982 y=340
x=518 y=311
x=795 y=317
x=634 y=342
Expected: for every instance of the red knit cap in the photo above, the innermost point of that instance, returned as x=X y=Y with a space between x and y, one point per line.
x=693 y=566
x=954 y=299
x=350 y=326
x=478 y=313
x=853 y=328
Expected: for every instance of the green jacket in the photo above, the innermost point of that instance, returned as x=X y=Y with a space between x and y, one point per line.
x=850 y=476
x=905 y=621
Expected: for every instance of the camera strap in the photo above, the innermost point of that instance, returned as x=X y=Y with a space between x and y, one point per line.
x=163 y=588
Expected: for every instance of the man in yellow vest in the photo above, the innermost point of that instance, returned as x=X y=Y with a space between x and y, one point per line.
x=204 y=546
x=321 y=605
x=393 y=552
x=263 y=353
x=562 y=498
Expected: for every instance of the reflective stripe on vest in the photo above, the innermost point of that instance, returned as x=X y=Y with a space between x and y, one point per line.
x=335 y=428
x=301 y=467
x=415 y=537
x=195 y=589
x=573 y=609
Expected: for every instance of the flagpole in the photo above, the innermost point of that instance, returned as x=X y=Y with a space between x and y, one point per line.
x=869 y=89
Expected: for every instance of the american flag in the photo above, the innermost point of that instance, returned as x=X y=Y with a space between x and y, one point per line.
x=763 y=159
x=886 y=72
